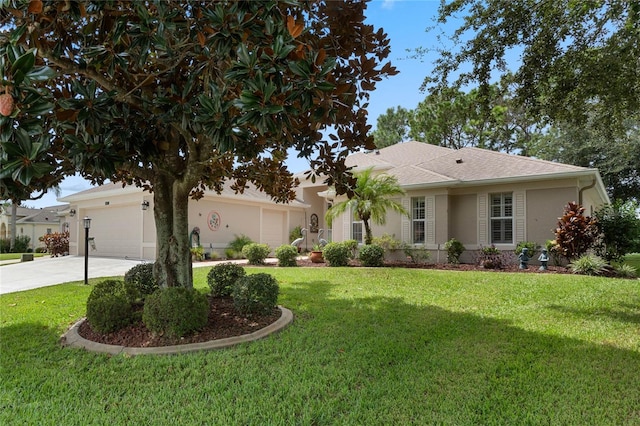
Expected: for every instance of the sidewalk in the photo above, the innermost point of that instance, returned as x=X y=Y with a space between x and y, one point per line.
x=46 y=271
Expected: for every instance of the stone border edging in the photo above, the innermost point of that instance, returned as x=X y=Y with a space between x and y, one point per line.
x=72 y=339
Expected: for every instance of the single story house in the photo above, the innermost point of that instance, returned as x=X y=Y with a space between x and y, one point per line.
x=33 y=223
x=477 y=196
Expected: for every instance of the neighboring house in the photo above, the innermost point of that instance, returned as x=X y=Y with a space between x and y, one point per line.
x=123 y=225
x=479 y=197
x=476 y=196
x=34 y=223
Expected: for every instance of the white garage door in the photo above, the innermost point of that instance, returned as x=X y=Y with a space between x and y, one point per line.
x=116 y=231
x=273 y=228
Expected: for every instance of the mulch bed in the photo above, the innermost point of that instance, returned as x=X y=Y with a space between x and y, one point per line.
x=224 y=321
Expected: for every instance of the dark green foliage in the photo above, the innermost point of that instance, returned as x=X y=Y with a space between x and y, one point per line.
x=239 y=242
x=140 y=277
x=576 y=233
x=619 y=228
x=454 y=249
x=337 y=254
x=530 y=245
x=222 y=277
x=21 y=245
x=492 y=258
x=286 y=255
x=109 y=312
x=109 y=306
x=112 y=287
x=372 y=255
x=256 y=253
x=256 y=293
x=175 y=311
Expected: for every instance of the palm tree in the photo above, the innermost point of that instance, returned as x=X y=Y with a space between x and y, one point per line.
x=370 y=201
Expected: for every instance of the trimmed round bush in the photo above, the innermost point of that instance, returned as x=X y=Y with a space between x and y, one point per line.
x=454 y=249
x=287 y=255
x=257 y=293
x=336 y=254
x=110 y=288
x=256 y=253
x=109 y=306
x=175 y=311
x=222 y=277
x=109 y=313
x=141 y=278
x=372 y=255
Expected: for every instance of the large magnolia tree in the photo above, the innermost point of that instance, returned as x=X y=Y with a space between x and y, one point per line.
x=179 y=96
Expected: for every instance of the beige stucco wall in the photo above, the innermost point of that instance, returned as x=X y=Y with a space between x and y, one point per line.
x=544 y=207
x=463 y=224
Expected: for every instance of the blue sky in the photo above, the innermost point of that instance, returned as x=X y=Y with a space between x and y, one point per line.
x=405 y=22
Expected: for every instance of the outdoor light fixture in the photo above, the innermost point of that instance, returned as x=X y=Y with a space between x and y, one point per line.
x=87 y=225
x=72 y=212
x=145 y=205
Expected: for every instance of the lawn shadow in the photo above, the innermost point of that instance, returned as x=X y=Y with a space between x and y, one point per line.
x=464 y=368
x=625 y=313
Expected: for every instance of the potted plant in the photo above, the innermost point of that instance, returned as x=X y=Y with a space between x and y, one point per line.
x=316 y=254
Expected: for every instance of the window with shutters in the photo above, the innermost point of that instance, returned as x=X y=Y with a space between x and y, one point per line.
x=501 y=217
x=418 y=220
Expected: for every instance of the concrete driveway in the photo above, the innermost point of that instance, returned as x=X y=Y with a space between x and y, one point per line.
x=46 y=271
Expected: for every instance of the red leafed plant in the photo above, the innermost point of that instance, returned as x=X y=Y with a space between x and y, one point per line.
x=576 y=233
x=57 y=243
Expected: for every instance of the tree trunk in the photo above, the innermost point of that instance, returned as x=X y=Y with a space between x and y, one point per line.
x=368 y=236
x=173 y=255
x=12 y=226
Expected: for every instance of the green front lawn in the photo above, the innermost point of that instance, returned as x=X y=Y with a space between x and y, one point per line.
x=633 y=260
x=368 y=346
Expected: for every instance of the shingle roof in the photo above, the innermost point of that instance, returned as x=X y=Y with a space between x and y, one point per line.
x=250 y=193
x=415 y=163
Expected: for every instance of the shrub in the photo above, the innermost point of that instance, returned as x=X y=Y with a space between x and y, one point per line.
x=626 y=271
x=109 y=306
x=222 y=277
x=492 y=258
x=109 y=313
x=57 y=243
x=257 y=293
x=576 y=233
x=372 y=255
x=175 y=311
x=141 y=278
x=230 y=253
x=454 y=249
x=417 y=253
x=530 y=245
x=588 y=265
x=256 y=253
x=337 y=254
x=553 y=250
x=387 y=242
x=239 y=242
x=619 y=228
x=295 y=233
x=287 y=255
x=197 y=253
x=352 y=246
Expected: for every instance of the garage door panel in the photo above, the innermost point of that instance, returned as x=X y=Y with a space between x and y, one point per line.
x=116 y=232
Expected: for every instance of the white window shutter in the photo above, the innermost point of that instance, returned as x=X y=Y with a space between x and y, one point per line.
x=520 y=209
x=430 y=220
x=405 y=221
x=483 y=224
x=346 y=224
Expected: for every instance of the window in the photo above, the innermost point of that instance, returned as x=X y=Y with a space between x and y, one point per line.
x=502 y=218
x=418 y=220
x=356 y=231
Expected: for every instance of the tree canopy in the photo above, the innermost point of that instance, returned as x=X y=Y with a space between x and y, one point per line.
x=179 y=96
x=573 y=54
